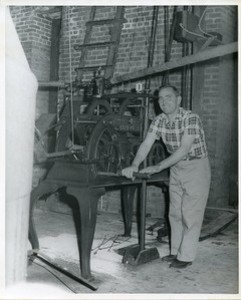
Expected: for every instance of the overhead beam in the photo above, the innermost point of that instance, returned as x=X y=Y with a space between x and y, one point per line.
x=52 y=84
x=187 y=60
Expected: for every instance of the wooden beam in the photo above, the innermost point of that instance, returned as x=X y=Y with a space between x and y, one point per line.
x=52 y=84
x=187 y=60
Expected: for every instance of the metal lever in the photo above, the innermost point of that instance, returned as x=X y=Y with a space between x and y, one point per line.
x=118 y=174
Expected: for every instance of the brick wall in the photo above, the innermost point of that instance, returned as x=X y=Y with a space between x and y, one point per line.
x=34 y=31
x=134 y=41
x=216 y=111
x=21 y=17
x=227 y=108
x=217 y=106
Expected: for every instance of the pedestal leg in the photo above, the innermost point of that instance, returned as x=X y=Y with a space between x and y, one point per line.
x=40 y=190
x=127 y=198
x=87 y=199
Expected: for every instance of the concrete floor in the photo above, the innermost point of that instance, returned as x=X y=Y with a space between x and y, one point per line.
x=215 y=270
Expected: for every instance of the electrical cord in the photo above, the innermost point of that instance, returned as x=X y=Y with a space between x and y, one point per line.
x=199 y=24
x=191 y=32
x=106 y=240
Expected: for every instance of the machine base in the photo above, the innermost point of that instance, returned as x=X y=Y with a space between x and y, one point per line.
x=134 y=256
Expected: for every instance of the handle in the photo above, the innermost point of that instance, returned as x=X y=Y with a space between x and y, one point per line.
x=141 y=175
x=118 y=174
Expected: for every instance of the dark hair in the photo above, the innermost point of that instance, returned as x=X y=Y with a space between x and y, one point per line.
x=176 y=91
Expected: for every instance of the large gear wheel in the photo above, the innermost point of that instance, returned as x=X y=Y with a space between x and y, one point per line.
x=103 y=149
x=96 y=110
x=156 y=154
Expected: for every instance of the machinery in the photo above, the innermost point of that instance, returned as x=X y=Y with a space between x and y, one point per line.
x=104 y=132
x=95 y=135
x=95 y=132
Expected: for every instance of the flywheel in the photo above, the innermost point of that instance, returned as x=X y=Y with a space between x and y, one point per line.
x=156 y=154
x=133 y=107
x=103 y=148
x=96 y=110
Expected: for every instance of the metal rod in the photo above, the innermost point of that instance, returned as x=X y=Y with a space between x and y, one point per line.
x=61 y=153
x=187 y=60
x=57 y=271
x=165 y=78
x=85 y=122
x=146 y=124
x=56 y=84
x=118 y=174
x=172 y=32
x=151 y=49
x=166 y=31
x=143 y=184
x=143 y=214
x=153 y=36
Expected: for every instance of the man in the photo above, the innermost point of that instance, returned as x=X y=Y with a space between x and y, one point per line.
x=183 y=135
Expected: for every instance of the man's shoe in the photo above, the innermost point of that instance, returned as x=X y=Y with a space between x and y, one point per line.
x=169 y=258
x=178 y=264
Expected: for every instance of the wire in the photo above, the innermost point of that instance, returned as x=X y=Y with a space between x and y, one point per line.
x=70 y=79
x=191 y=32
x=106 y=240
x=199 y=24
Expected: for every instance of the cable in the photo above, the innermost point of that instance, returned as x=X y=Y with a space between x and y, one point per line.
x=106 y=240
x=199 y=24
x=191 y=32
x=70 y=79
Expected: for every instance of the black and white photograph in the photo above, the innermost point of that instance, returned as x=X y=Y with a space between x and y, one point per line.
x=119 y=150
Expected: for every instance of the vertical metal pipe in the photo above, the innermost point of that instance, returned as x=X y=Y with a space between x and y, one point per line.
x=166 y=33
x=168 y=40
x=151 y=48
x=185 y=70
x=143 y=185
x=150 y=58
x=143 y=214
x=21 y=88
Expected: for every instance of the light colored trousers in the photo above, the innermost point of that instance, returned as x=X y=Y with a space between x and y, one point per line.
x=189 y=189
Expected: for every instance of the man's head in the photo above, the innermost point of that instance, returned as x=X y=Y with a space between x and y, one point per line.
x=169 y=99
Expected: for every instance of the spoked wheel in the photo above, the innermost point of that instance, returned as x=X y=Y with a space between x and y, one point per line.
x=132 y=107
x=97 y=109
x=157 y=154
x=103 y=149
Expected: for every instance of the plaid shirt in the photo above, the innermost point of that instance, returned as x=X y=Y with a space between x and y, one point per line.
x=171 y=134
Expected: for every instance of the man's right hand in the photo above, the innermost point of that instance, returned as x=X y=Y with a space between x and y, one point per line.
x=128 y=172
